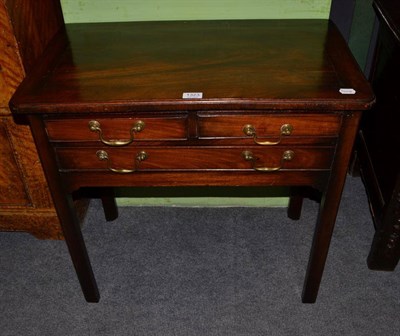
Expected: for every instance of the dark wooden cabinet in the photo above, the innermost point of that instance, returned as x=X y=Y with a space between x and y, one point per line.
x=25 y=201
x=379 y=140
x=26 y=28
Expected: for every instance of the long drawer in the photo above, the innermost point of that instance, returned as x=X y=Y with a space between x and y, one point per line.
x=129 y=159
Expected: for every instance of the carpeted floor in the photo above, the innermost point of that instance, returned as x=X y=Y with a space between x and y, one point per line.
x=201 y=271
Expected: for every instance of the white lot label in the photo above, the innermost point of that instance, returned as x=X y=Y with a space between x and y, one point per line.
x=347 y=91
x=192 y=95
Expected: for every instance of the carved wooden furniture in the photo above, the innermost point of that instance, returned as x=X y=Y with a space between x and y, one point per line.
x=208 y=103
x=379 y=144
x=25 y=201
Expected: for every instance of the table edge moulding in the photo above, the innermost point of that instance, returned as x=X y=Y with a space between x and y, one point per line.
x=245 y=102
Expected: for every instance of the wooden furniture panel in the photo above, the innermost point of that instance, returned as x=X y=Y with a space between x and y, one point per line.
x=220 y=126
x=13 y=190
x=118 y=129
x=188 y=158
x=262 y=73
x=25 y=202
x=379 y=141
x=12 y=72
x=34 y=24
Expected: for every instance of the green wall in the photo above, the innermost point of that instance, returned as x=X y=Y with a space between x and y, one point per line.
x=144 y=10
x=151 y=10
x=361 y=30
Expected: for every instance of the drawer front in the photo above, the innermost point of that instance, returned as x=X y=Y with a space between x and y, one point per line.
x=123 y=130
x=129 y=159
x=271 y=127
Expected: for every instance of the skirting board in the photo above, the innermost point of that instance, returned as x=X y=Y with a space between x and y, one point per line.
x=203 y=197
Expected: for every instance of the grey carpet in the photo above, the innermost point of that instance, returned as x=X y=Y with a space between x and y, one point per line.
x=201 y=271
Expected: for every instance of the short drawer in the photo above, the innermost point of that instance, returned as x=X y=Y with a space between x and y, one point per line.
x=118 y=131
x=272 y=127
x=130 y=159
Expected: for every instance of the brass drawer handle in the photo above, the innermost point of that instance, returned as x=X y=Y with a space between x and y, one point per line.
x=94 y=126
x=286 y=156
x=250 y=130
x=103 y=156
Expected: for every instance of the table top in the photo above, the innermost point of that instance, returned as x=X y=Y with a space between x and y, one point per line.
x=238 y=64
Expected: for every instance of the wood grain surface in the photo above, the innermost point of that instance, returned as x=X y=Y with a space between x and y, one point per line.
x=26 y=27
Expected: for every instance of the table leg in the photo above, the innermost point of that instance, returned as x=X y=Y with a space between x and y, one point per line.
x=297 y=195
x=63 y=204
x=319 y=249
x=329 y=207
x=295 y=204
x=109 y=205
x=77 y=248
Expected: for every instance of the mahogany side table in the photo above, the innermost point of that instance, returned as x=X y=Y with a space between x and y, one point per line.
x=196 y=103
